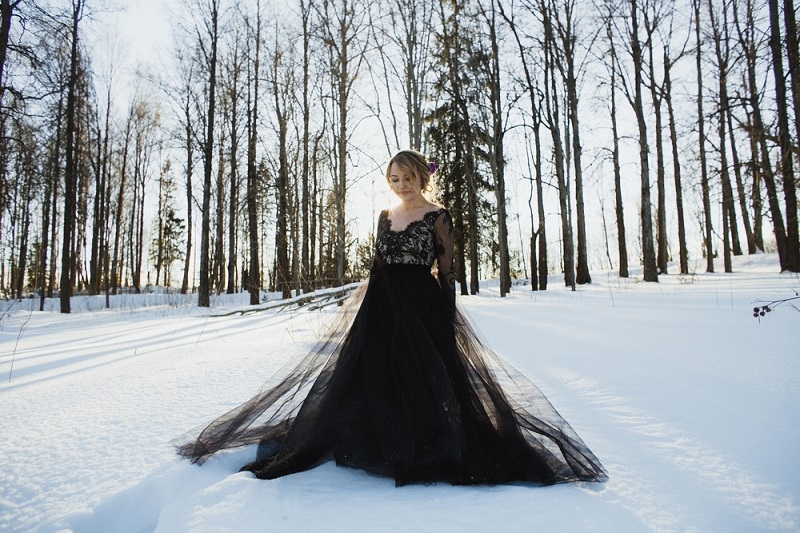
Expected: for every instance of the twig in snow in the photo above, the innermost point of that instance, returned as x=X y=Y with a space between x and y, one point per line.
x=7 y=310
x=19 y=335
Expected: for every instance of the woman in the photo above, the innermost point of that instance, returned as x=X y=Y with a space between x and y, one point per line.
x=403 y=386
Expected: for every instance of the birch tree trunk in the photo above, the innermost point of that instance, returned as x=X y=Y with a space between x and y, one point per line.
x=204 y=288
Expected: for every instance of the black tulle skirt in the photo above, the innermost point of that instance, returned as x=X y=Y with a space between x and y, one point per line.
x=402 y=386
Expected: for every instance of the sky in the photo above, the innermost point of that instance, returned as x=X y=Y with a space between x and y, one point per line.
x=143 y=29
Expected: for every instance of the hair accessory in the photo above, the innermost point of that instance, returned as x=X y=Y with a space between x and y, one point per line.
x=432 y=166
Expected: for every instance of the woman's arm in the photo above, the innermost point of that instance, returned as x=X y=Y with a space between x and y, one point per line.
x=443 y=233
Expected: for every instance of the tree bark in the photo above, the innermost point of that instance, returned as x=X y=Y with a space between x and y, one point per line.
x=254 y=270
x=204 y=288
x=233 y=186
x=553 y=118
x=342 y=28
x=218 y=262
x=618 y=204
x=282 y=188
x=70 y=171
x=497 y=155
x=538 y=235
x=730 y=232
x=786 y=164
x=648 y=251
x=742 y=196
x=793 y=57
x=49 y=206
x=188 y=132
x=683 y=253
x=568 y=40
x=709 y=245
x=661 y=211
x=306 y=250
x=762 y=167
x=756 y=200
x=6 y=14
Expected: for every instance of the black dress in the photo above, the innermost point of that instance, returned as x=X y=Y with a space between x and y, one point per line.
x=402 y=386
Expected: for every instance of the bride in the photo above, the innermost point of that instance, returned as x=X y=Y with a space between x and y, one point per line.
x=403 y=386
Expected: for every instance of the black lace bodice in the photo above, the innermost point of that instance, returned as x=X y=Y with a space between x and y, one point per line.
x=419 y=243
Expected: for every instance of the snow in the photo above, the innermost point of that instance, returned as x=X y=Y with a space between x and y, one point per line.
x=689 y=401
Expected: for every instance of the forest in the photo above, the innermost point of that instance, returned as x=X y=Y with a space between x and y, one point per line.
x=644 y=137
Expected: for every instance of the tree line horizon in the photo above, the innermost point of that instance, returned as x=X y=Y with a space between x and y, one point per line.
x=234 y=167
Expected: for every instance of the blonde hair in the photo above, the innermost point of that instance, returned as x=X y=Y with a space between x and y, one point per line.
x=414 y=163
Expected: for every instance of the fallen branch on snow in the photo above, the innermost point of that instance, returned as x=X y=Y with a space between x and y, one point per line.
x=314 y=300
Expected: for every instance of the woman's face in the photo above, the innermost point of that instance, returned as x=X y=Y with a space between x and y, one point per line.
x=404 y=184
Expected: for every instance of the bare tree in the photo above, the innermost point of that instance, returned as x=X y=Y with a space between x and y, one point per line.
x=342 y=25
x=146 y=129
x=653 y=13
x=404 y=44
x=254 y=68
x=217 y=270
x=669 y=63
x=71 y=171
x=99 y=246
x=552 y=118
x=709 y=245
x=722 y=56
x=207 y=40
x=185 y=100
x=25 y=172
x=538 y=235
x=52 y=180
x=496 y=149
x=232 y=85
x=7 y=8
x=618 y=204
x=793 y=57
x=785 y=140
x=737 y=171
x=747 y=37
x=448 y=133
x=306 y=212
x=648 y=253
x=566 y=20
x=282 y=82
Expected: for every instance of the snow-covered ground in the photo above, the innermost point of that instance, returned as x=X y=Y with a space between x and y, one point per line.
x=691 y=404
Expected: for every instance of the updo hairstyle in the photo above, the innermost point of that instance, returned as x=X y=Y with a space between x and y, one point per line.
x=415 y=164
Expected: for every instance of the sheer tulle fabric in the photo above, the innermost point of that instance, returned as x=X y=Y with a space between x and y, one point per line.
x=401 y=385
